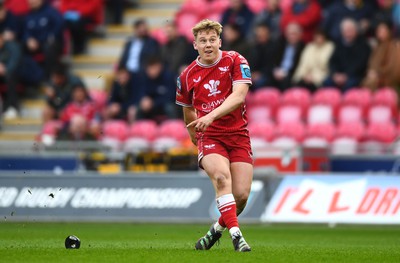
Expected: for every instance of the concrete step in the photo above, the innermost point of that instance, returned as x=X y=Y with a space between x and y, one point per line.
x=32 y=109
x=94 y=62
x=106 y=47
x=154 y=17
x=18 y=136
x=96 y=79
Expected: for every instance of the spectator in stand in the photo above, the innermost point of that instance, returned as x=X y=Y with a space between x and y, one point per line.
x=262 y=56
x=9 y=24
x=287 y=56
x=396 y=19
x=78 y=16
x=238 y=13
x=10 y=59
x=313 y=67
x=359 y=10
x=383 y=61
x=58 y=91
x=43 y=34
x=234 y=40
x=159 y=83
x=175 y=52
x=20 y=8
x=78 y=129
x=385 y=13
x=81 y=105
x=270 y=16
x=138 y=49
x=124 y=97
x=349 y=59
x=306 y=13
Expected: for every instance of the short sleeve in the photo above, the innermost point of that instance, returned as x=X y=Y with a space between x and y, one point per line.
x=183 y=97
x=241 y=70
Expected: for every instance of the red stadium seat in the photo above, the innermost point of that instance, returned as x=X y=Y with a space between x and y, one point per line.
x=146 y=129
x=319 y=135
x=297 y=96
x=159 y=35
x=185 y=22
x=327 y=96
x=218 y=6
x=381 y=132
x=262 y=130
x=387 y=96
x=320 y=113
x=350 y=113
x=116 y=129
x=383 y=106
x=347 y=138
x=289 y=114
x=358 y=96
x=266 y=96
x=175 y=129
x=259 y=114
x=294 y=130
x=380 y=114
x=198 y=7
x=49 y=132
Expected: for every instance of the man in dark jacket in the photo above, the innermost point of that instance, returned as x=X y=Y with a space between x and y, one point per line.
x=288 y=56
x=43 y=34
x=138 y=49
x=349 y=59
x=238 y=13
x=159 y=85
x=9 y=24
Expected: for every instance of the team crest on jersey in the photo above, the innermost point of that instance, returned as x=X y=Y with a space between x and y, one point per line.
x=212 y=87
x=224 y=69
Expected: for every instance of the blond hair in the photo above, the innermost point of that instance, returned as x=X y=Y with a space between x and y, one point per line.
x=207 y=25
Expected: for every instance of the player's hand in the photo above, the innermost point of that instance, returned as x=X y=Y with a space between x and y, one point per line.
x=201 y=124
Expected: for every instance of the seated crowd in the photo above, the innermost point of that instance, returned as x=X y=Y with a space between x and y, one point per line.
x=313 y=44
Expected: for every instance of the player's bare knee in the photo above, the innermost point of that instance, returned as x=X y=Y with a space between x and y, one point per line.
x=222 y=181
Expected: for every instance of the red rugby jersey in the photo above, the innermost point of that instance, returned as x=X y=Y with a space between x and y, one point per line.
x=205 y=87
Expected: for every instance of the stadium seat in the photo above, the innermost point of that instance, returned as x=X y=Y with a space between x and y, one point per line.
x=198 y=7
x=49 y=132
x=380 y=114
x=350 y=113
x=294 y=130
x=159 y=35
x=383 y=106
x=146 y=129
x=387 y=96
x=358 y=96
x=175 y=129
x=259 y=114
x=321 y=131
x=327 y=96
x=347 y=138
x=289 y=114
x=320 y=113
x=344 y=146
x=378 y=138
x=114 y=133
x=297 y=96
x=218 y=6
x=269 y=96
x=185 y=22
x=262 y=130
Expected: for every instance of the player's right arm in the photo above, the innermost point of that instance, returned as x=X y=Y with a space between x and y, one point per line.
x=189 y=115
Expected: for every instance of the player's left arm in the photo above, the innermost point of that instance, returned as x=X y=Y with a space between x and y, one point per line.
x=232 y=102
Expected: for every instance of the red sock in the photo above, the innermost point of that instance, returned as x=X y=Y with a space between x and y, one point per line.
x=227 y=207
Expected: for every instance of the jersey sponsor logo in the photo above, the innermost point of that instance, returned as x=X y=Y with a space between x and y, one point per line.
x=197 y=80
x=209 y=106
x=212 y=87
x=223 y=69
x=245 y=69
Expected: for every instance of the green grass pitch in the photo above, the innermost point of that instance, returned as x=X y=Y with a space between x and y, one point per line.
x=123 y=242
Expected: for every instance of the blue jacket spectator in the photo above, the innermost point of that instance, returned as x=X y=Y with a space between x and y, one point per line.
x=43 y=34
x=359 y=10
x=239 y=13
x=158 y=102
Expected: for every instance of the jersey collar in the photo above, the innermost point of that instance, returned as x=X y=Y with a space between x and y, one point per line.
x=209 y=65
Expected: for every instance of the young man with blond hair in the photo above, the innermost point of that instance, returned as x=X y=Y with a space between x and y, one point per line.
x=212 y=91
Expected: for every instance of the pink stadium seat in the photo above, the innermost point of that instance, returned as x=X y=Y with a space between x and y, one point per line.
x=198 y=7
x=259 y=114
x=358 y=96
x=266 y=96
x=319 y=135
x=159 y=35
x=175 y=129
x=387 y=96
x=146 y=129
x=289 y=114
x=380 y=114
x=262 y=130
x=354 y=130
x=185 y=22
x=381 y=132
x=294 y=130
x=297 y=96
x=116 y=129
x=320 y=113
x=327 y=96
x=350 y=113
x=52 y=127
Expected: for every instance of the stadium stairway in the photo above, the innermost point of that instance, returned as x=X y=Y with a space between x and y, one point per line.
x=95 y=67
